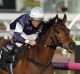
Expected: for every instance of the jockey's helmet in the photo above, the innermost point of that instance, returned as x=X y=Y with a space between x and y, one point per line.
x=37 y=13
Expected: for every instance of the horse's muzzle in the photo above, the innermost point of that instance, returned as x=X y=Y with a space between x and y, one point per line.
x=72 y=47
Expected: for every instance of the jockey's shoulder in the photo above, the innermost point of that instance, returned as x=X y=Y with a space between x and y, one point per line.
x=25 y=15
x=23 y=18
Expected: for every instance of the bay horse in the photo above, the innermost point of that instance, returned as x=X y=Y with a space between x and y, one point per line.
x=37 y=59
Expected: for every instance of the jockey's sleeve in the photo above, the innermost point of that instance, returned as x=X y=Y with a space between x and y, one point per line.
x=17 y=33
x=20 y=39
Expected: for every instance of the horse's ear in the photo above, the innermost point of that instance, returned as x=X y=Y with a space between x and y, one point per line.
x=65 y=18
x=56 y=18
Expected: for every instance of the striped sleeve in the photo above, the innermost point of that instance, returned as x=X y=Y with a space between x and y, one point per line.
x=17 y=34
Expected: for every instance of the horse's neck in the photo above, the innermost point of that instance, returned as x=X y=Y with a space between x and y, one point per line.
x=43 y=54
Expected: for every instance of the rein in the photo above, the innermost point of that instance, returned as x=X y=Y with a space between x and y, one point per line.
x=52 y=46
x=34 y=61
x=45 y=46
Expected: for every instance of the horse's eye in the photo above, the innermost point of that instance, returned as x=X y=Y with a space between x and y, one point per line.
x=57 y=32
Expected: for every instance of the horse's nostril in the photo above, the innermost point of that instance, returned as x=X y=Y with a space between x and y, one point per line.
x=73 y=45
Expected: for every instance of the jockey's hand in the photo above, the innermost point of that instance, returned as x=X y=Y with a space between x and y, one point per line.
x=32 y=42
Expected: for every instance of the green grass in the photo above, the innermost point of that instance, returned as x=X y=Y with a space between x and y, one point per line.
x=77 y=37
x=31 y=3
x=64 y=72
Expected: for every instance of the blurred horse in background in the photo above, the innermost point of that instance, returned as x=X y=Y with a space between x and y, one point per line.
x=37 y=59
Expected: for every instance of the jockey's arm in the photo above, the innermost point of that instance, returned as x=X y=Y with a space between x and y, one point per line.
x=17 y=33
x=21 y=38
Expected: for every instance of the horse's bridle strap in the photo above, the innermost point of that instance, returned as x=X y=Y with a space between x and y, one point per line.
x=44 y=46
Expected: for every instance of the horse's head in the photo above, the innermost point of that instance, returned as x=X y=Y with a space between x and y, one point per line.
x=62 y=33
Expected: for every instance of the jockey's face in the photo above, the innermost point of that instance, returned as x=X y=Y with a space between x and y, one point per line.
x=35 y=23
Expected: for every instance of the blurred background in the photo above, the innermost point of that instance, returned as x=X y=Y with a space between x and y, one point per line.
x=11 y=9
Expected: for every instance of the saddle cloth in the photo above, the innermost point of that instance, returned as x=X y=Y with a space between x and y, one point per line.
x=4 y=51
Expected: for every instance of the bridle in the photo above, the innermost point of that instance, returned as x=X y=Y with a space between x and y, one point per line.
x=52 y=46
x=37 y=63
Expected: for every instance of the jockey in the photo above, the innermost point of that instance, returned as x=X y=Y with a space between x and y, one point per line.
x=26 y=28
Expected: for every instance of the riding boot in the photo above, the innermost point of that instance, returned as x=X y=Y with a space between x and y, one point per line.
x=11 y=54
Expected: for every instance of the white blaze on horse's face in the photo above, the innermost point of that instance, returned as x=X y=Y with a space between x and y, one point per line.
x=56 y=21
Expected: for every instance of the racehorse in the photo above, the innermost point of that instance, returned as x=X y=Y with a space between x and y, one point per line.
x=37 y=59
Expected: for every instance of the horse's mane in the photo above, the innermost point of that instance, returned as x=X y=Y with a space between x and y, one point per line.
x=47 y=25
